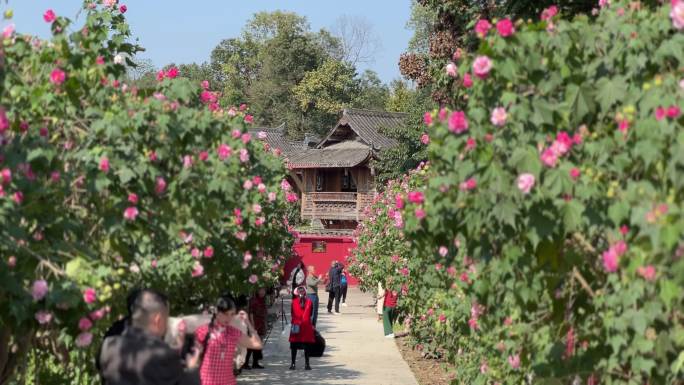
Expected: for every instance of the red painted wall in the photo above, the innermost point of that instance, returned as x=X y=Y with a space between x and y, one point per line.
x=337 y=248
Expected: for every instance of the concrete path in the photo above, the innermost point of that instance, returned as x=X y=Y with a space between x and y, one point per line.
x=356 y=350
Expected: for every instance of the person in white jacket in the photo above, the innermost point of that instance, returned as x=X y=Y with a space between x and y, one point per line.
x=297 y=277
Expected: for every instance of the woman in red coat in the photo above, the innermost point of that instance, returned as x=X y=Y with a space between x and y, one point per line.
x=302 y=331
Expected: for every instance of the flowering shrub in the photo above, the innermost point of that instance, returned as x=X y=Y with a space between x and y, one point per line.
x=549 y=239
x=382 y=250
x=103 y=189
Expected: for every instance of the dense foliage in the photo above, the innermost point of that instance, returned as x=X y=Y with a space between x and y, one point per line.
x=547 y=244
x=289 y=74
x=103 y=189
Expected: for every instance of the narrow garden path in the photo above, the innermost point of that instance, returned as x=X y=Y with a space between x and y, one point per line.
x=356 y=352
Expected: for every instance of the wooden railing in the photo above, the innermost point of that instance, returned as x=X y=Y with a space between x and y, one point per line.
x=335 y=205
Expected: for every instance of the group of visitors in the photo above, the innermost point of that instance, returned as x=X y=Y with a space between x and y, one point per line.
x=304 y=284
x=215 y=351
x=134 y=350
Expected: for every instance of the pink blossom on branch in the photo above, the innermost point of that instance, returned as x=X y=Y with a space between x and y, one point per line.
x=89 y=295
x=451 y=70
x=160 y=186
x=549 y=157
x=209 y=252
x=84 y=339
x=549 y=12
x=39 y=289
x=526 y=182
x=427 y=118
x=482 y=27
x=611 y=257
x=244 y=155
x=85 y=324
x=43 y=317
x=224 y=152
x=104 y=164
x=468 y=185
x=49 y=16
x=505 y=27
x=6 y=176
x=575 y=173
x=647 y=272
x=499 y=117
x=172 y=73
x=8 y=31
x=514 y=361
x=4 y=121
x=458 y=122
x=467 y=80
x=470 y=144
x=416 y=197
x=482 y=66
x=197 y=270
x=131 y=213
x=57 y=76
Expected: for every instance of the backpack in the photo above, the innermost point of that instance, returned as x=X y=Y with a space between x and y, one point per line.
x=343 y=279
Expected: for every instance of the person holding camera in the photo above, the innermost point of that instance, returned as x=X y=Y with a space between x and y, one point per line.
x=301 y=331
x=155 y=363
x=217 y=343
x=312 y=282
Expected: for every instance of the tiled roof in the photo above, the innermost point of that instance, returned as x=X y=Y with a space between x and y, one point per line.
x=367 y=124
x=345 y=154
x=277 y=138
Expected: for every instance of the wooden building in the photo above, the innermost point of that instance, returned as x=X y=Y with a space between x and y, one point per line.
x=334 y=175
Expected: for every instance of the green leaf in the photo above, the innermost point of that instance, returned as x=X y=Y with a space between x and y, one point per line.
x=610 y=91
x=580 y=101
x=572 y=215
x=126 y=175
x=669 y=291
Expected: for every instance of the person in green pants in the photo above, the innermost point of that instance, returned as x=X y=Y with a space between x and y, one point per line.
x=389 y=311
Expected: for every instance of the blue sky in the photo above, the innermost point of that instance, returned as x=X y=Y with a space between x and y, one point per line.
x=187 y=31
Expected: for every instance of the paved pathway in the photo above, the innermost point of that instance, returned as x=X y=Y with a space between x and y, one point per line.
x=356 y=351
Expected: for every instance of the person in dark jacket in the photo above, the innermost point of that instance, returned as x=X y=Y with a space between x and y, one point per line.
x=335 y=285
x=155 y=363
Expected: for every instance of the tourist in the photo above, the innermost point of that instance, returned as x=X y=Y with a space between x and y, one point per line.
x=301 y=331
x=389 y=310
x=118 y=327
x=297 y=278
x=218 y=341
x=343 y=286
x=155 y=363
x=334 y=286
x=257 y=316
x=312 y=289
x=240 y=322
x=380 y=301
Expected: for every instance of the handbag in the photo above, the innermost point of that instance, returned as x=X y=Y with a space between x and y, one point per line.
x=317 y=348
x=328 y=286
x=294 y=329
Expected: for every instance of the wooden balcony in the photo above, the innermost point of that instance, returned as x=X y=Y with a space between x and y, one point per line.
x=335 y=205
